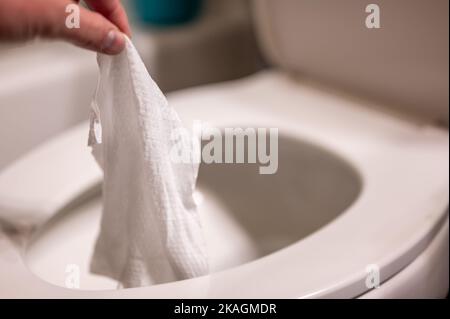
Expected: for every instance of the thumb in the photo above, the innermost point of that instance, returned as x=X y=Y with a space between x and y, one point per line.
x=94 y=32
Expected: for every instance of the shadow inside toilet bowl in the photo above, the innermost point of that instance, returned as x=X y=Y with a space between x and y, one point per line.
x=311 y=187
x=245 y=215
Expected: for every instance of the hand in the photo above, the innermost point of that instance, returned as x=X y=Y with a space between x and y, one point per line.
x=100 y=29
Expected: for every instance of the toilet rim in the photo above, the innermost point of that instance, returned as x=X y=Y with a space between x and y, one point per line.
x=299 y=270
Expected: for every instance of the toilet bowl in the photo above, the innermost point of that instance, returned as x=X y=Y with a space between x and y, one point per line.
x=349 y=194
x=357 y=208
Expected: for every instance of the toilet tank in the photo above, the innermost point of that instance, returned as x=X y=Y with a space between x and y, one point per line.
x=403 y=63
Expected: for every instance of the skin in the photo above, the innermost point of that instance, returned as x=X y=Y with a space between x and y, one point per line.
x=101 y=26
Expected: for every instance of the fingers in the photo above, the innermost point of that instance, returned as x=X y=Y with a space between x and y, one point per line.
x=113 y=11
x=95 y=32
x=99 y=31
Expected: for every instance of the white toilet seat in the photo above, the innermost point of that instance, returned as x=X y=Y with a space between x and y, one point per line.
x=403 y=165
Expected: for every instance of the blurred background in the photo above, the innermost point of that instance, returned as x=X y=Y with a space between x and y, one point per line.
x=46 y=87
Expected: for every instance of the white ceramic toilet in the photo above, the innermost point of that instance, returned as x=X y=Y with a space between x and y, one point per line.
x=361 y=189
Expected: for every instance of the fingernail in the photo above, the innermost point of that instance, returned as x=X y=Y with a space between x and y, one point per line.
x=109 y=39
x=111 y=44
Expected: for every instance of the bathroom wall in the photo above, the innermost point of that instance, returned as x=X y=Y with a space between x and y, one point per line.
x=46 y=88
x=220 y=45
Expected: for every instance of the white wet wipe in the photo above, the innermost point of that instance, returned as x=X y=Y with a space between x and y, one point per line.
x=150 y=229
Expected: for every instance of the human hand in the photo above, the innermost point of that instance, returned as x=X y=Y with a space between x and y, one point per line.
x=100 y=29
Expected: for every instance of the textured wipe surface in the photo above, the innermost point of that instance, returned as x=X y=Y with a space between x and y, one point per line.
x=150 y=230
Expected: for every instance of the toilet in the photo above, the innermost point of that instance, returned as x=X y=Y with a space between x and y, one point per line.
x=357 y=209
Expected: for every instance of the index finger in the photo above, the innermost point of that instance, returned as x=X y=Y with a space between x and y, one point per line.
x=113 y=11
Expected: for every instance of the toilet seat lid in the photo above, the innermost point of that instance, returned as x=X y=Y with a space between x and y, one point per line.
x=403 y=63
